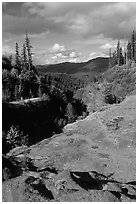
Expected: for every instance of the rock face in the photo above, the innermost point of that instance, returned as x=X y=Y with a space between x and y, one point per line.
x=93 y=160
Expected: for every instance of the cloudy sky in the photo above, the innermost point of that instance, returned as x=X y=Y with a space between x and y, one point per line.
x=67 y=31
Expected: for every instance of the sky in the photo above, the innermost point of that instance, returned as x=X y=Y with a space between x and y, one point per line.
x=67 y=31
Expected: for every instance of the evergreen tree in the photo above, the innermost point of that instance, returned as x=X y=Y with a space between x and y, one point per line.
x=129 y=51
x=28 y=47
x=6 y=83
x=125 y=57
x=14 y=83
x=24 y=58
x=17 y=58
x=133 y=46
x=121 y=57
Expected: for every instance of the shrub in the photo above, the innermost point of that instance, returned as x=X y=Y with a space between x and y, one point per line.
x=119 y=82
x=45 y=97
x=70 y=113
x=15 y=137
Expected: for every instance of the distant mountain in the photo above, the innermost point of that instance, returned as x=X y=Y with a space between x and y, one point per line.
x=99 y=64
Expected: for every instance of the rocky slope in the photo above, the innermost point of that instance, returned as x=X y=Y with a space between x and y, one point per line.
x=92 y=160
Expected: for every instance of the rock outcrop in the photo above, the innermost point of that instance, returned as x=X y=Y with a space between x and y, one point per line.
x=93 y=160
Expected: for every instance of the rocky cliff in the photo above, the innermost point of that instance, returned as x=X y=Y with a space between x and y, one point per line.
x=92 y=160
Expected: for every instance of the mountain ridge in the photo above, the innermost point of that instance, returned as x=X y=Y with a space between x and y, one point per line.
x=93 y=65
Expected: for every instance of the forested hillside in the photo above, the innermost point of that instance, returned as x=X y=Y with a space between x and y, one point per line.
x=97 y=65
x=120 y=81
x=27 y=122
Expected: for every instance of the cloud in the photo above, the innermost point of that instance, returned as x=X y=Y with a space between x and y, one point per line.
x=60 y=53
x=115 y=21
x=87 y=27
x=39 y=35
x=56 y=9
x=72 y=54
x=7 y=40
x=18 y=25
x=59 y=56
x=98 y=54
x=108 y=45
x=6 y=49
x=34 y=25
x=112 y=44
x=92 y=54
x=74 y=60
x=86 y=19
x=78 y=23
x=57 y=48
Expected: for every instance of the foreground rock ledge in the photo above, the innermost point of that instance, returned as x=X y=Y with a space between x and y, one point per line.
x=92 y=160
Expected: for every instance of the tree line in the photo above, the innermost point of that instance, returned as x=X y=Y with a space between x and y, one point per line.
x=19 y=80
x=24 y=61
x=31 y=122
x=120 y=57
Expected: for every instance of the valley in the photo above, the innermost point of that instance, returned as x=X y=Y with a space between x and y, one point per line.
x=69 y=102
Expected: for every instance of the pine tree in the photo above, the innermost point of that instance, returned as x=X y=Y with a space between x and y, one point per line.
x=24 y=58
x=133 y=46
x=121 y=57
x=17 y=58
x=125 y=57
x=129 y=51
x=28 y=47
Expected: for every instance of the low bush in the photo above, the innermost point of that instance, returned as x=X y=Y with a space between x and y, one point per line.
x=15 y=137
x=119 y=81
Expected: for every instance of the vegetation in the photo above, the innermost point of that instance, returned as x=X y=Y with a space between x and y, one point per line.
x=118 y=57
x=14 y=137
x=19 y=79
x=43 y=118
x=28 y=123
x=17 y=58
x=94 y=66
x=60 y=94
x=120 y=79
x=64 y=82
x=119 y=82
x=7 y=63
